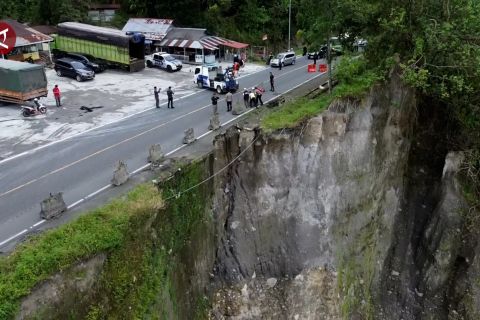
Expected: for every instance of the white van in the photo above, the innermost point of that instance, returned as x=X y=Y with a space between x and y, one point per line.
x=284 y=58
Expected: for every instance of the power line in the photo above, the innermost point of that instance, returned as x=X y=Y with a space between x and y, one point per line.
x=178 y=194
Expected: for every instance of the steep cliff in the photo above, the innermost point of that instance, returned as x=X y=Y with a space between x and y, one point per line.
x=355 y=197
x=359 y=213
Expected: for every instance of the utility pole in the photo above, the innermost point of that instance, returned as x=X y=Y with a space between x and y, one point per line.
x=289 y=22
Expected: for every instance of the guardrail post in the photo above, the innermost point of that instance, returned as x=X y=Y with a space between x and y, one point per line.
x=53 y=206
x=238 y=108
x=120 y=174
x=189 y=136
x=214 y=122
x=155 y=155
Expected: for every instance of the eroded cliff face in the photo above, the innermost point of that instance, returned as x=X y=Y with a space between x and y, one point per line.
x=356 y=214
x=346 y=205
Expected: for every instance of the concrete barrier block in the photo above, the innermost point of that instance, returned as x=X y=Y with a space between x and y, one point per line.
x=155 y=154
x=53 y=206
x=189 y=136
x=238 y=108
x=214 y=122
x=120 y=174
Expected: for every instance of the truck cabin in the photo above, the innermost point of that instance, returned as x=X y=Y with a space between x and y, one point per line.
x=211 y=70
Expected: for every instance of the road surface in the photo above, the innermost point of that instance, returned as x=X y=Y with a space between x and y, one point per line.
x=82 y=166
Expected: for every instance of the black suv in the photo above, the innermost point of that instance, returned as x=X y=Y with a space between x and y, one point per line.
x=322 y=53
x=73 y=69
x=88 y=60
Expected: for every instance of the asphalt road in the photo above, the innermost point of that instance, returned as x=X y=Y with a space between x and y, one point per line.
x=82 y=166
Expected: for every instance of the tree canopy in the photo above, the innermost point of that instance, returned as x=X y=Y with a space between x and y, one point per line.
x=437 y=40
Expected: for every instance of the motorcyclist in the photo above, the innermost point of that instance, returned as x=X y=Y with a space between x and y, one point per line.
x=37 y=104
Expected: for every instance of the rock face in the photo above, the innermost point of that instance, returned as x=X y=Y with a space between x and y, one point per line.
x=63 y=291
x=357 y=214
x=345 y=193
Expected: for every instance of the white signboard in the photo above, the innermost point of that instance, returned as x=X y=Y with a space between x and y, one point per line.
x=210 y=59
x=199 y=58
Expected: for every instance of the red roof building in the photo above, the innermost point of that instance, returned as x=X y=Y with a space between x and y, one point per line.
x=31 y=44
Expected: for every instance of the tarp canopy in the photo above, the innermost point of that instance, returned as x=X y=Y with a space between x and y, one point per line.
x=213 y=41
x=21 y=76
x=197 y=39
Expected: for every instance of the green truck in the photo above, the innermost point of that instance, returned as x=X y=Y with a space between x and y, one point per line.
x=110 y=45
x=21 y=81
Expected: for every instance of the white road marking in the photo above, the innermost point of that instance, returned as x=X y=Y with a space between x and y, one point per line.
x=106 y=124
x=145 y=166
x=38 y=223
x=13 y=237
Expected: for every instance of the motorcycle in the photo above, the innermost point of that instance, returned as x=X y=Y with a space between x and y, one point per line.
x=31 y=111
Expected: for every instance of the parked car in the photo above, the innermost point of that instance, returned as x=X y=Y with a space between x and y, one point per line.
x=73 y=69
x=284 y=58
x=165 y=61
x=322 y=53
x=90 y=61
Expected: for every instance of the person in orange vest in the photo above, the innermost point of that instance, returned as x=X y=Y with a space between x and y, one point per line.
x=56 y=94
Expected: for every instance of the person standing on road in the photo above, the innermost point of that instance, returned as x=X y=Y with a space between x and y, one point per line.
x=157 y=99
x=57 y=95
x=253 y=98
x=246 y=96
x=272 y=82
x=214 y=103
x=229 y=99
x=170 y=98
x=259 y=91
x=315 y=57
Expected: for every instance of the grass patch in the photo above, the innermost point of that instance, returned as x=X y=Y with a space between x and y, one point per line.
x=102 y=230
x=144 y=239
x=355 y=79
x=293 y=113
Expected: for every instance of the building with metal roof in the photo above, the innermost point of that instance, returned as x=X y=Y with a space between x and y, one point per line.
x=31 y=45
x=195 y=45
x=152 y=29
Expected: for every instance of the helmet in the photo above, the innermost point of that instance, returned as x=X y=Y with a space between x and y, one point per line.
x=36 y=99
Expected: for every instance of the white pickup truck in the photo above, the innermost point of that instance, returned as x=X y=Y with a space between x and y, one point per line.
x=164 y=61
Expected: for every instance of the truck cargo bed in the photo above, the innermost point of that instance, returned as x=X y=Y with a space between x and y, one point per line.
x=21 y=81
x=21 y=97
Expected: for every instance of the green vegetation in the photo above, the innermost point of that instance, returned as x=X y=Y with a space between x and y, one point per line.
x=356 y=272
x=244 y=21
x=291 y=114
x=100 y=231
x=142 y=240
x=355 y=80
